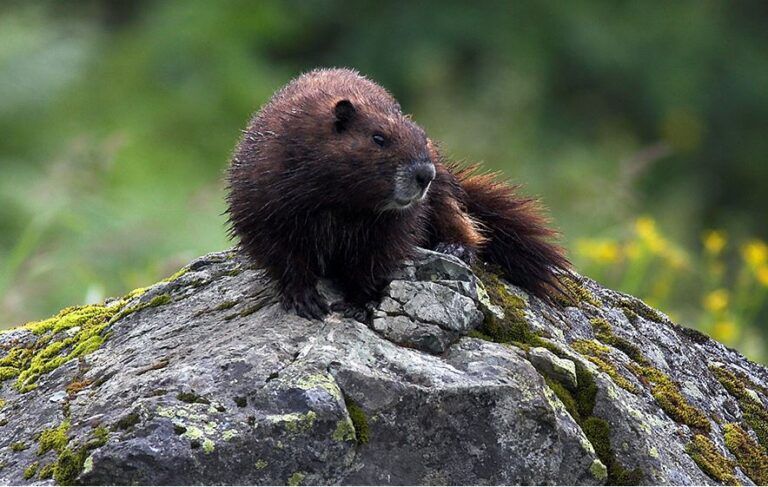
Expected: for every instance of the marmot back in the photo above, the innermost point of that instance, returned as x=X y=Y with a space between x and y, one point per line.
x=331 y=179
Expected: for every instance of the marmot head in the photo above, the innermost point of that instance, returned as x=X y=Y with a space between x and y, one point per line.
x=337 y=128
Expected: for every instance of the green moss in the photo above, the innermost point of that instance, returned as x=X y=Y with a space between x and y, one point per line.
x=8 y=373
x=565 y=397
x=208 y=446
x=128 y=421
x=599 y=354
x=48 y=354
x=480 y=335
x=19 y=446
x=192 y=397
x=631 y=315
x=598 y=432
x=159 y=300
x=576 y=294
x=100 y=438
x=670 y=399
x=604 y=333
x=297 y=478
x=249 y=310
x=138 y=292
x=345 y=431
x=46 y=472
x=666 y=393
x=71 y=459
x=586 y=392
x=69 y=465
x=580 y=405
x=261 y=464
x=30 y=471
x=514 y=326
x=711 y=461
x=755 y=414
x=54 y=439
x=633 y=307
x=752 y=459
x=52 y=348
x=225 y=305
x=359 y=420
x=176 y=275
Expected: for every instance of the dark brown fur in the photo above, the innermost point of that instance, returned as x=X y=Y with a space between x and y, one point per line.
x=311 y=195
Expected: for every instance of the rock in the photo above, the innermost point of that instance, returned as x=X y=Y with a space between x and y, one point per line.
x=554 y=367
x=204 y=379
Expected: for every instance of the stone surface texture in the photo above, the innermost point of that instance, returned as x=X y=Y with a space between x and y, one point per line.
x=204 y=379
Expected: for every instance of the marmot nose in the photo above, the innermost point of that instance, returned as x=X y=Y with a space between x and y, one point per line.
x=424 y=173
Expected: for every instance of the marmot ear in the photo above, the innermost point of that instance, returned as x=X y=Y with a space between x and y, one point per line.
x=344 y=112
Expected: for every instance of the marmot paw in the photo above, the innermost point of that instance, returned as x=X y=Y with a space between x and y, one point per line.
x=307 y=303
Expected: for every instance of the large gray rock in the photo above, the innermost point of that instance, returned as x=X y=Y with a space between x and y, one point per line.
x=203 y=379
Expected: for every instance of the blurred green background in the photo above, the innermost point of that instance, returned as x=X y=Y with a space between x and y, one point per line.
x=642 y=125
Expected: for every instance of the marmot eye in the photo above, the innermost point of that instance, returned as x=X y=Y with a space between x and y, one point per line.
x=379 y=139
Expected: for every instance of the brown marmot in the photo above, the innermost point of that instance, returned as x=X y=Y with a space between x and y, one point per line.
x=331 y=179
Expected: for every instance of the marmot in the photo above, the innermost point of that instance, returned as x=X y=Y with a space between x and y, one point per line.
x=331 y=179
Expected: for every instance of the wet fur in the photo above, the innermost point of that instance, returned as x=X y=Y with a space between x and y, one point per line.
x=309 y=195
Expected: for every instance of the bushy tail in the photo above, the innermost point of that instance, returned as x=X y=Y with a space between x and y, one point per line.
x=519 y=238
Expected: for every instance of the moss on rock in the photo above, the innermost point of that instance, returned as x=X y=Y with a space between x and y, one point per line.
x=359 y=420
x=577 y=294
x=670 y=399
x=755 y=414
x=752 y=459
x=598 y=432
x=633 y=308
x=30 y=471
x=19 y=446
x=604 y=333
x=710 y=460
x=73 y=332
x=53 y=439
x=46 y=472
x=580 y=405
x=297 y=478
x=599 y=354
x=514 y=326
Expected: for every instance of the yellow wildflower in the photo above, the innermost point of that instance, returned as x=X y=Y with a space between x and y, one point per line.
x=762 y=275
x=645 y=227
x=716 y=301
x=714 y=242
x=725 y=331
x=601 y=251
x=755 y=253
